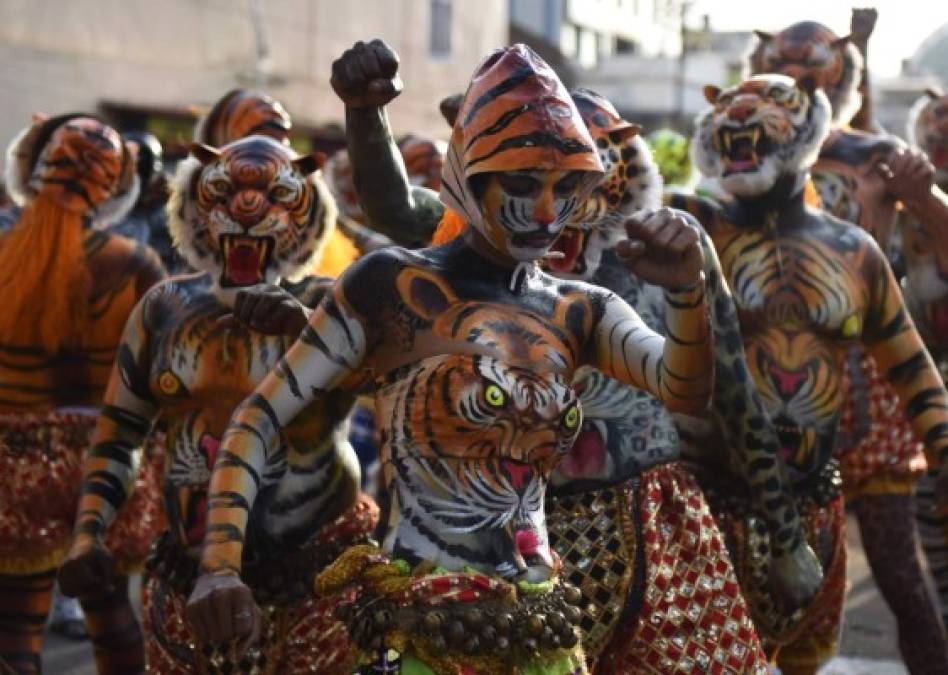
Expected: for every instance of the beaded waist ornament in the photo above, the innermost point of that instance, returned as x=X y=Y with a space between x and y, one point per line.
x=449 y=623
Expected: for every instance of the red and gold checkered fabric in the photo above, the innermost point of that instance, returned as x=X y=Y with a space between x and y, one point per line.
x=40 y=478
x=693 y=618
x=882 y=454
x=303 y=637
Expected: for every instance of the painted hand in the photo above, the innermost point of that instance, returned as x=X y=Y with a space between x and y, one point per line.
x=862 y=23
x=222 y=608
x=270 y=310
x=663 y=249
x=366 y=76
x=908 y=174
x=88 y=568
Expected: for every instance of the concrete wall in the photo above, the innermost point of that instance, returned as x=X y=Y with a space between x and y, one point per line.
x=64 y=55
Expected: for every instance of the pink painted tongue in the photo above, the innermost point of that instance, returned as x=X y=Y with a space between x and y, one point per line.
x=527 y=541
x=587 y=456
x=568 y=244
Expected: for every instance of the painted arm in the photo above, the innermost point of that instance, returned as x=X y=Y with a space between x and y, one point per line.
x=110 y=468
x=891 y=338
x=910 y=177
x=861 y=25
x=406 y=214
x=366 y=79
x=330 y=348
x=754 y=447
x=678 y=370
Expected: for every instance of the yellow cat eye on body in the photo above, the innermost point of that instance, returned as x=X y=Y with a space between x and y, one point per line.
x=571 y=418
x=494 y=396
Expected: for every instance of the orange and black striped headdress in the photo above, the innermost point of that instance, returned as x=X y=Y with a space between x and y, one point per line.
x=241 y=113
x=516 y=115
x=76 y=161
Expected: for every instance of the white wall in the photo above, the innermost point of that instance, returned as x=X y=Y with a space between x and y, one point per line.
x=68 y=55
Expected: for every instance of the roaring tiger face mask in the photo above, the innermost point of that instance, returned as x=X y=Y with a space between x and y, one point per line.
x=928 y=130
x=520 y=159
x=250 y=213
x=758 y=130
x=810 y=50
x=77 y=161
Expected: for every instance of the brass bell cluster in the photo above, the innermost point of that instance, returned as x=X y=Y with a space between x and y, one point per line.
x=535 y=624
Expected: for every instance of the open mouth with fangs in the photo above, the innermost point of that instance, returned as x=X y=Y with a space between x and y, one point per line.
x=742 y=149
x=567 y=252
x=245 y=259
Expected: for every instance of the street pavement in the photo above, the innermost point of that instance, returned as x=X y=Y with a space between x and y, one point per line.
x=868 y=645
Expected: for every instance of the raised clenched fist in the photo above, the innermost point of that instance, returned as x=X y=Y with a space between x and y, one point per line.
x=366 y=76
x=862 y=23
x=663 y=248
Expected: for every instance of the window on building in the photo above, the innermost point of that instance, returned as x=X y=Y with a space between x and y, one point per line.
x=440 y=28
x=624 y=46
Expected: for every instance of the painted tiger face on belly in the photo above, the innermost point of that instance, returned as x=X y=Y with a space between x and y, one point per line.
x=468 y=448
x=754 y=132
x=251 y=212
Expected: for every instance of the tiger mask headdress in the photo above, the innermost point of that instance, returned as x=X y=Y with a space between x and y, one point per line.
x=753 y=133
x=252 y=212
x=811 y=50
x=77 y=161
x=927 y=130
x=520 y=160
x=240 y=113
x=631 y=182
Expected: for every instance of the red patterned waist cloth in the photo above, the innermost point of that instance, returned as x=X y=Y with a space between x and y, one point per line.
x=40 y=478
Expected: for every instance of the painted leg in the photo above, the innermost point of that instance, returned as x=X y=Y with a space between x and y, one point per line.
x=24 y=604
x=887 y=528
x=933 y=530
x=114 y=631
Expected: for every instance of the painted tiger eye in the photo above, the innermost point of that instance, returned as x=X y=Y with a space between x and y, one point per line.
x=571 y=419
x=851 y=327
x=494 y=396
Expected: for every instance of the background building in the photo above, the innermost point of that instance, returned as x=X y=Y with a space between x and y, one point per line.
x=155 y=65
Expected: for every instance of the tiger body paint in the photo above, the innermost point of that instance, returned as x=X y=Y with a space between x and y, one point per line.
x=808 y=287
x=925 y=286
x=469 y=349
x=620 y=499
x=71 y=175
x=872 y=179
x=246 y=214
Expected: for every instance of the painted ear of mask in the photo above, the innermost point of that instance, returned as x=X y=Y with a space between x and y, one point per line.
x=252 y=212
x=631 y=182
x=241 y=113
x=79 y=162
x=811 y=50
x=424 y=160
x=927 y=129
x=753 y=133
x=517 y=126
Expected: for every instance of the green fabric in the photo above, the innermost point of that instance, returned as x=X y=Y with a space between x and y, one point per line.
x=565 y=666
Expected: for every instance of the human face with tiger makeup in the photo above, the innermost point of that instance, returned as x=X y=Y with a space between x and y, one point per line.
x=470 y=352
